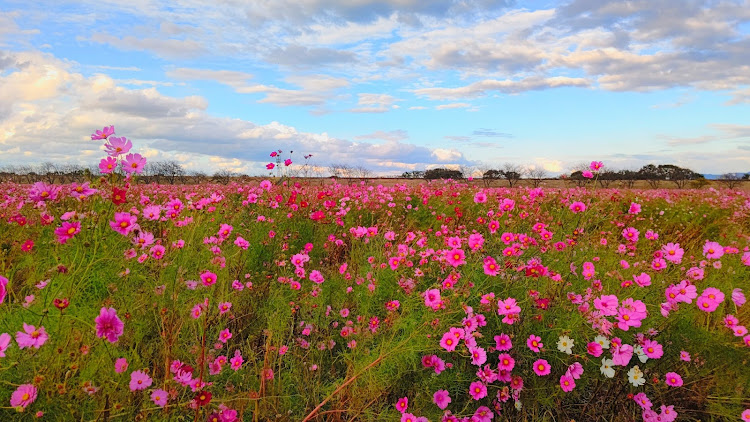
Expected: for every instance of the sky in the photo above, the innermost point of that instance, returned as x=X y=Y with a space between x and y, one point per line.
x=391 y=85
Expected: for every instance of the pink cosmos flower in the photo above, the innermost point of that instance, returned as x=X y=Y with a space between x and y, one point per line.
x=208 y=278
x=575 y=370
x=121 y=365
x=737 y=297
x=124 y=223
x=534 y=343
x=225 y=335
x=673 y=253
x=104 y=133
x=4 y=343
x=542 y=367
x=408 y=417
x=67 y=231
x=402 y=404
x=31 y=337
x=673 y=379
x=621 y=354
x=116 y=146
x=631 y=234
x=159 y=397
x=3 y=288
x=506 y=362
x=503 y=342
x=587 y=174
x=652 y=349
x=107 y=165
x=642 y=400
x=316 y=277
x=432 y=299
x=139 y=380
x=577 y=207
x=596 y=165
x=606 y=304
x=455 y=257
x=567 y=383
x=713 y=250
x=288 y=162
x=480 y=198
x=23 y=396
x=109 y=325
x=477 y=390
x=133 y=163
x=594 y=349
x=41 y=191
x=236 y=361
x=449 y=342
x=746 y=415
x=478 y=356
x=441 y=398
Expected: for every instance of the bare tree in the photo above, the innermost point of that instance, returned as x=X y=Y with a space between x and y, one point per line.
x=730 y=180
x=512 y=173
x=536 y=175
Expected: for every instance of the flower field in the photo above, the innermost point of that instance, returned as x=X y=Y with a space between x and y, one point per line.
x=441 y=301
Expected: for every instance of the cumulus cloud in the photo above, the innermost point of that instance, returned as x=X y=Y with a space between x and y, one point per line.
x=374 y=103
x=39 y=122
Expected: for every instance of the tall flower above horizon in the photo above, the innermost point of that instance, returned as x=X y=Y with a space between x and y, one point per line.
x=118 y=146
x=104 y=133
x=133 y=163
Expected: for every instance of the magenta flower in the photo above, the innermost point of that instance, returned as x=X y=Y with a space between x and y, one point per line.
x=316 y=277
x=506 y=362
x=673 y=379
x=477 y=390
x=159 y=397
x=596 y=165
x=455 y=257
x=606 y=304
x=67 y=231
x=432 y=299
x=104 y=133
x=713 y=250
x=133 y=163
x=225 y=335
x=577 y=207
x=478 y=356
x=31 y=337
x=402 y=404
x=121 y=365
x=108 y=165
x=236 y=362
x=41 y=191
x=441 y=398
x=587 y=174
x=3 y=288
x=503 y=342
x=139 y=380
x=116 y=146
x=109 y=325
x=534 y=343
x=567 y=383
x=542 y=367
x=24 y=395
x=208 y=278
x=124 y=223
x=594 y=349
x=652 y=349
x=737 y=297
x=4 y=343
x=449 y=342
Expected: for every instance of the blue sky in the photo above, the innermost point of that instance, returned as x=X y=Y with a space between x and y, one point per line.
x=392 y=85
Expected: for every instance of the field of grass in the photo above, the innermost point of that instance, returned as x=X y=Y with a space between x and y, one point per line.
x=446 y=301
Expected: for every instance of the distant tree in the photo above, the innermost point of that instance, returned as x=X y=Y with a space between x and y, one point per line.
x=606 y=177
x=443 y=173
x=627 y=178
x=416 y=174
x=536 y=175
x=651 y=174
x=731 y=180
x=224 y=176
x=512 y=173
x=489 y=176
x=746 y=176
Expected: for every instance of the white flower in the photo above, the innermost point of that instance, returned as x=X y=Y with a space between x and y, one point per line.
x=603 y=341
x=638 y=350
x=635 y=376
x=518 y=405
x=565 y=344
x=607 y=369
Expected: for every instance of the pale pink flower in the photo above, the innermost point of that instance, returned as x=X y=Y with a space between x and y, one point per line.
x=31 y=337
